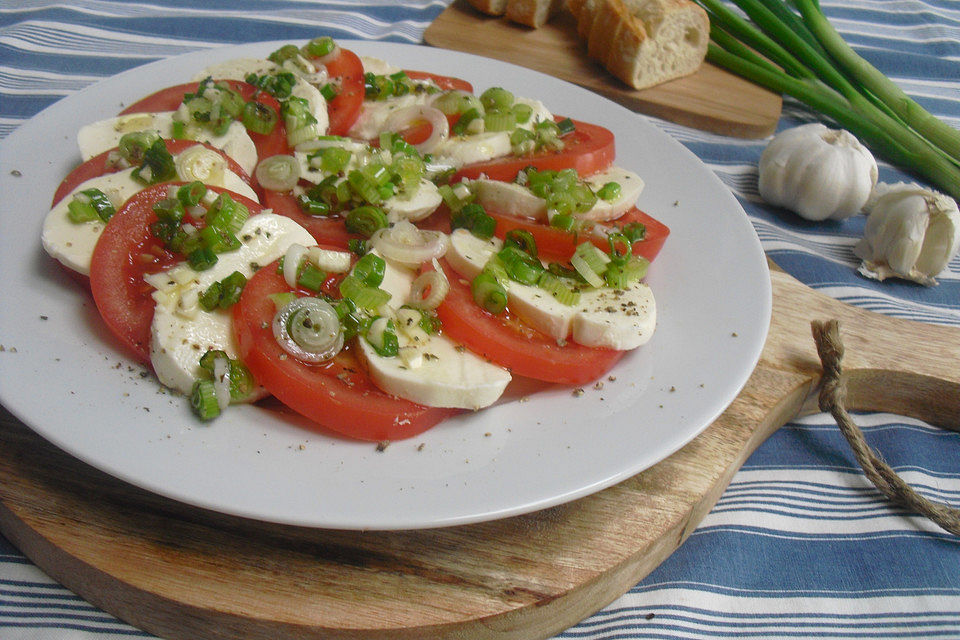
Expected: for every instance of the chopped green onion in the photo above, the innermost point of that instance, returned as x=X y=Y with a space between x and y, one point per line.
x=519 y=265
x=90 y=204
x=496 y=98
x=365 y=220
x=329 y=91
x=226 y=214
x=556 y=287
x=609 y=191
x=370 y=270
x=522 y=239
x=474 y=218
x=382 y=336
x=565 y=127
x=258 y=117
x=190 y=195
x=158 y=165
x=489 y=293
x=497 y=120
x=279 y=172
x=319 y=47
x=133 y=146
x=203 y=400
x=363 y=296
x=310 y=277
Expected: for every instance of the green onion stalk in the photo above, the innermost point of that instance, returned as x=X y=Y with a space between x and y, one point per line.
x=802 y=56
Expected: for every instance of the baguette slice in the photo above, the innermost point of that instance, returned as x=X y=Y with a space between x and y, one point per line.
x=490 y=7
x=533 y=13
x=645 y=42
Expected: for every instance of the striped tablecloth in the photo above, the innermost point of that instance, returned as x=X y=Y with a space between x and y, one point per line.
x=800 y=545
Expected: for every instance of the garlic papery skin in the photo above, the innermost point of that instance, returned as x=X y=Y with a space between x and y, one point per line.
x=817 y=172
x=911 y=233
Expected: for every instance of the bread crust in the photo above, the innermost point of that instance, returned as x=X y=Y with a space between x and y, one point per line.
x=644 y=42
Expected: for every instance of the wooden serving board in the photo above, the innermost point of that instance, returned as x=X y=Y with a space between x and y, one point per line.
x=184 y=573
x=711 y=99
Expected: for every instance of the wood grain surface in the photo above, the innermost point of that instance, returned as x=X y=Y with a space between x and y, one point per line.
x=712 y=99
x=184 y=573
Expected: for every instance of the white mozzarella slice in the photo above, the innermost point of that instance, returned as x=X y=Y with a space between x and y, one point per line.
x=72 y=244
x=610 y=318
x=509 y=198
x=240 y=68
x=378 y=66
x=631 y=185
x=374 y=114
x=417 y=206
x=512 y=199
x=431 y=369
x=467 y=149
x=180 y=332
x=97 y=137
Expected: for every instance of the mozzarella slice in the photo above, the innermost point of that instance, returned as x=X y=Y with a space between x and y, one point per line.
x=374 y=114
x=240 y=68
x=417 y=206
x=431 y=369
x=72 y=244
x=609 y=318
x=95 y=138
x=512 y=199
x=181 y=332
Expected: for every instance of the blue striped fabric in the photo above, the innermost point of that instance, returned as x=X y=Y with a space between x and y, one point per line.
x=800 y=545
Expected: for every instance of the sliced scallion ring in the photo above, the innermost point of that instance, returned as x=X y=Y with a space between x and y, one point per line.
x=200 y=164
x=308 y=329
x=408 y=116
x=406 y=244
x=278 y=173
x=428 y=290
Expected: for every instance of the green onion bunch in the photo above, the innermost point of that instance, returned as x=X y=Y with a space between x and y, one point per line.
x=793 y=49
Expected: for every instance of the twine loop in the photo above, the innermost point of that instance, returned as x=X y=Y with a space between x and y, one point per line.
x=832 y=400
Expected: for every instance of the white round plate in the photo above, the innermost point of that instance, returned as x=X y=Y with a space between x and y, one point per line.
x=541 y=445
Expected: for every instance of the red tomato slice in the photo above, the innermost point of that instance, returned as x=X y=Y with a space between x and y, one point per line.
x=330 y=231
x=98 y=166
x=338 y=394
x=125 y=253
x=169 y=99
x=344 y=109
x=506 y=341
x=447 y=83
x=557 y=245
x=589 y=149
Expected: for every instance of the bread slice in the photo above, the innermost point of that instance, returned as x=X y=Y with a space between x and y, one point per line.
x=644 y=42
x=533 y=13
x=490 y=7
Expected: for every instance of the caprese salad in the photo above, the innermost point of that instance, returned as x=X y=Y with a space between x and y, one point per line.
x=378 y=248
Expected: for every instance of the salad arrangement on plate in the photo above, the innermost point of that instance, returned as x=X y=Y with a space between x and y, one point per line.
x=378 y=248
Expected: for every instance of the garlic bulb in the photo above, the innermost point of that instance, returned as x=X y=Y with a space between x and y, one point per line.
x=817 y=172
x=911 y=233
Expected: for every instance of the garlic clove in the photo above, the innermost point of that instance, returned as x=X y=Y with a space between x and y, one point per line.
x=817 y=172
x=911 y=233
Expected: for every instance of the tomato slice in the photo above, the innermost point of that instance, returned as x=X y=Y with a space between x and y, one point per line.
x=558 y=245
x=125 y=253
x=337 y=394
x=506 y=341
x=98 y=166
x=169 y=99
x=588 y=149
x=347 y=71
x=330 y=231
x=447 y=83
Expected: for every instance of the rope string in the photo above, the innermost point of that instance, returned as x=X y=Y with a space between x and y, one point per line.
x=832 y=399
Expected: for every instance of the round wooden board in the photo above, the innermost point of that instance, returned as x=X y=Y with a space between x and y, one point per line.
x=181 y=572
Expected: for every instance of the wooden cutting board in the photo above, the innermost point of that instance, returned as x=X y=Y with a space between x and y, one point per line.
x=184 y=573
x=711 y=99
